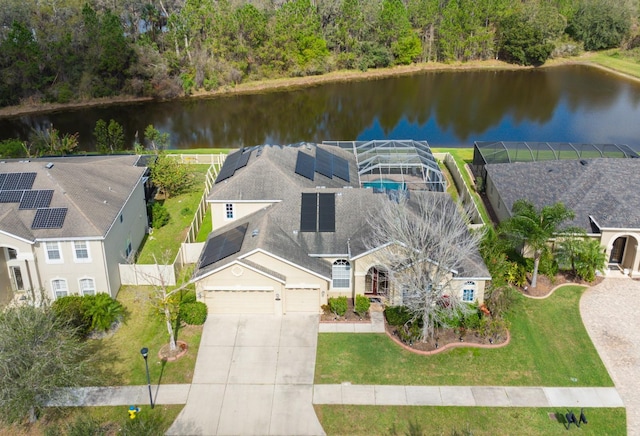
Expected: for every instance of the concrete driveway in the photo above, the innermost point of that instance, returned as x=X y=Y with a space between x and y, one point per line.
x=253 y=376
x=610 y=314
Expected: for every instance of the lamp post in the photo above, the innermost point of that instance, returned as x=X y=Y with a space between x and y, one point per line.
x=145 y=354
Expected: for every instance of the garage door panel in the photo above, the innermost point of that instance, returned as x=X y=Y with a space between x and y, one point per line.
x=302 y=300
x=239 y=301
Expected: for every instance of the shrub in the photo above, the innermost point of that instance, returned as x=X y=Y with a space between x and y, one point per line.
x=188 y=297
x=411 y=333
x=362 y=305
x=71 y=309
x=103 y=310
x=397 y=315
x=500 y=299
x=159 y=215
x=193 y=313
x=471 y=320
x=338 y=305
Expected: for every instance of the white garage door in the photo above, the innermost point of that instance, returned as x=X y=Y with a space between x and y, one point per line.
x=302 y=300
x=239 y=301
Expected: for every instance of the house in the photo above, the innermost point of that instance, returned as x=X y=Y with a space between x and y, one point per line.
x=602 y=192
x=290 y=225
x=66 y=223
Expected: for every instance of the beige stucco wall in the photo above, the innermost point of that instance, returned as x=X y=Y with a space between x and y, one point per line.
x=240 y=278
x=631 y=258
x=240 y=210
x=496 y=202
x=134 y=226
x=294 y=275
x=25 y=260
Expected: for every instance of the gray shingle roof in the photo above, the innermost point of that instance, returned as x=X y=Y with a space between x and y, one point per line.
x=271 y=176
x=602 y=188
x=93 y=188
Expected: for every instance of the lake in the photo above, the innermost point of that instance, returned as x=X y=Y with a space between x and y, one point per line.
x=451 y=108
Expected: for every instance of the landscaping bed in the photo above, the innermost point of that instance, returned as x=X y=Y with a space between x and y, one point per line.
x=349 y=316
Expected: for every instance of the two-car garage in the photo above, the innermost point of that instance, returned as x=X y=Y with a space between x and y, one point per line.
x=263 y=301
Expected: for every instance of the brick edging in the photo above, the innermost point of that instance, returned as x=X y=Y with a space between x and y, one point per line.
x=448 y=346
x=555 y=288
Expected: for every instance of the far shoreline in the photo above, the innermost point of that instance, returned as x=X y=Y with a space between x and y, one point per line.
x=292 y=83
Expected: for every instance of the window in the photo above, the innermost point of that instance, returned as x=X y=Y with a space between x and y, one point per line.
x=469 y=292
x=59 y=287
x=52 y=250
x=12 y=253
x=121 y=218
x=127 y=248
x=229 y=210
x=341 y=273
x=87 y=287
x=81 y=251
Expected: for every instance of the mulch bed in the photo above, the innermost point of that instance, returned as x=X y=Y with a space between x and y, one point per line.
x=350 y=316
x=545 y=284
x=445 y=337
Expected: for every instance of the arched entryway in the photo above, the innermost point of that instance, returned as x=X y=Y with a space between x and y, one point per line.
x=377 y=282
x=11 y=277
x=623 y=252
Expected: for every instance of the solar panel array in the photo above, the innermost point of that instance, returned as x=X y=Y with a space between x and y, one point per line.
x=11 y=196
x=223 y=245
x=318 y=212
x=232 y=163
x=14 y=181
x=325 y=163
x=49 y=218
x=36 y=199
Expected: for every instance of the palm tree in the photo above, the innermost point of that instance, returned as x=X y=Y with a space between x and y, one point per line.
x=534 y=228
x=591 y=258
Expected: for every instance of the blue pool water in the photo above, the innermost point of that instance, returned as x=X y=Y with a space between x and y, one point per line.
x=385 y=184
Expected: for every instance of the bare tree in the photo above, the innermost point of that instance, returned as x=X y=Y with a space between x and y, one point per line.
x=426 y=242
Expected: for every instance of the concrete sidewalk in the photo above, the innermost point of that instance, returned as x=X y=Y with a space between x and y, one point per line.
x=470 y=396
x=121 y=395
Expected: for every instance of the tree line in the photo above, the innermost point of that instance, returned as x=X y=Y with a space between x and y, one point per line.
x=66 y=50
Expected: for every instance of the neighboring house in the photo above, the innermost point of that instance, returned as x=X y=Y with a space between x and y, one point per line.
x=601 y=192
x=66 y=223
x=290 y=226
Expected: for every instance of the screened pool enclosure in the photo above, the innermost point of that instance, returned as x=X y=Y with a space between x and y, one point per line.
x=485 y=152
x=395 y=165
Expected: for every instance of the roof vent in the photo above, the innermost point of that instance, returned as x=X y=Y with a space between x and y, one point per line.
x=584 y=162
x=255 y=233
x=49 y=165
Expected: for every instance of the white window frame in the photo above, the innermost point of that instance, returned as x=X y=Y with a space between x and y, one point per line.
x=228 y=211
x=91 y=290
x=341 y=274
x=469 y=288
x=47 y=250
x=75 y=252
x=12 y=253
x=55 y=289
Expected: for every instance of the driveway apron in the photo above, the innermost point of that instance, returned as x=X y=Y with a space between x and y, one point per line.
x=610 y=316
x=253 y=376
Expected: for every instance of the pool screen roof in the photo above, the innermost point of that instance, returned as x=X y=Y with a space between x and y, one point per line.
x=406 y=161
x=508 y=152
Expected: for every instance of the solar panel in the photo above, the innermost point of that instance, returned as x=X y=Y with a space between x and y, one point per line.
x=223 y=245
x=308 y=212
x=29 y=200
x=11 y=182
x=305 y=165
x=324 y=163
x=341 y=168
x=3 y=177
x=26 y=181
x=49 y=218
x=244 y=159
x=229 y=166
x=44 y=198
x=11 y=196
x=327 y=213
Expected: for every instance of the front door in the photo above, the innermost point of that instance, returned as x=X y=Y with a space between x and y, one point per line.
x=16 y=275
x=617 y=251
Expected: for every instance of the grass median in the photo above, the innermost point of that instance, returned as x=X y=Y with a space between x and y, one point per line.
x=476 y=421
x=549 y=347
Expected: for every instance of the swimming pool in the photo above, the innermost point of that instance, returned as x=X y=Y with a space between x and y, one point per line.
x=386 y=184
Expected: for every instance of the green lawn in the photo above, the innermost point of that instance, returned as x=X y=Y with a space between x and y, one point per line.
x=549 y=347
x=206 y=227
x=406 y=420
x=165 y=241
x=120 y=353
x=619 y=60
